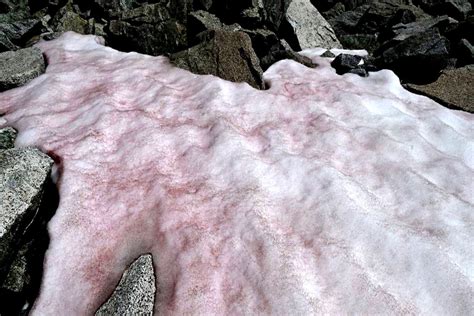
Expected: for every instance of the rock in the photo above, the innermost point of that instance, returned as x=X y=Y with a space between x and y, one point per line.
x=345 y=62
x=368 y=42
x=20 y=66
x=347 y=22
x=228 y=55
x=335 y=11
x=19 y=32
x=5 y=6
x=68 y=20
x=275 y=11
x=151 y=29
x=23 y=177
x=453 y=89
x=465 y=52
x=458 y=9
x=202 y=21
x=328 y=54
x=135 y=294
x=7 y=138
x=309 y=27
x=426 y=52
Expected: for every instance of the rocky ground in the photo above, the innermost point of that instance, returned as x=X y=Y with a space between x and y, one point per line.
x=428 y=44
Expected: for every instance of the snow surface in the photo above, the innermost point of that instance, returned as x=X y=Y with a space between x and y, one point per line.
x=325 y=194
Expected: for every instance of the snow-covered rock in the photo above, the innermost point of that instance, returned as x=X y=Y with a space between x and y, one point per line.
x=323 y=194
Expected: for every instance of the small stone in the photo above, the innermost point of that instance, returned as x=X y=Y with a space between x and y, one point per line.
x=135 y=294
x=20 y=66
x=328 y=54
x=7 y=137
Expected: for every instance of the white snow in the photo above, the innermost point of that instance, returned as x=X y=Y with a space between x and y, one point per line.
x=325 y=194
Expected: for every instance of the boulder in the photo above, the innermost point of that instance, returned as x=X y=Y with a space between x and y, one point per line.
x=307 y=28
x=465 y=52
x=458 y=9
x=14 y=34
x=135 y=294
x=415 y=58
x=453 y=88
x=19 y=67
x=228 y=55
x=24 y=174
x=150 y=29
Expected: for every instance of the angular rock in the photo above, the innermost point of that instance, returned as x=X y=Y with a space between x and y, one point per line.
x=20 y=66
x=458 y=9
x=328 y=54
x=70 y=21
x=275 y=12
x=465 y=52
x=345 y=62
x=19 y=32
x=308 y=27
x=228 y=55
x=7 y=137
x=368 y=42
x=23 y=173
x=135 y=294
x=453 y=89
x=416 y=58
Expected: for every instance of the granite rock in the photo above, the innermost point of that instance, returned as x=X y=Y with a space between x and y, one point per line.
x=228 y=55
x=19 y=67
x=135 y=294
x=7 y=137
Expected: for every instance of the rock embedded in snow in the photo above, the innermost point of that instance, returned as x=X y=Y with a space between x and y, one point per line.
x=19 y=67
x=135 y=294
x=324 y=194
x=309 y=26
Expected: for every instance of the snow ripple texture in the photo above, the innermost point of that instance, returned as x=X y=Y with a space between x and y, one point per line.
x=325 y=194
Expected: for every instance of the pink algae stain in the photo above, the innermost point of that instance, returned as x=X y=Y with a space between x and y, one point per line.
x=251 y=202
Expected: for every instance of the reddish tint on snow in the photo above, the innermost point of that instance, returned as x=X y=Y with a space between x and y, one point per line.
x=324 y=194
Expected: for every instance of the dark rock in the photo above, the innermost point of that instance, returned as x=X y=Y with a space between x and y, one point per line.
x=7 y=137
x=345 y=62
x=135 y=294
x=18 y=32
x=228 y=55
x=275 y=11
x=20 y=66
x=453 y=89
x=402 y=16
x=360 y=71
x=328 y=54
x=307 y=28
x=335 y=11
x=368 y=42
x=202 y=5
x=5 y=6
x=458 y=9
x=348 y=22
x=202 y=21
x=282 y=53
x=465 y=52
x=6 y=44
x=416 y=58
x=68 y=20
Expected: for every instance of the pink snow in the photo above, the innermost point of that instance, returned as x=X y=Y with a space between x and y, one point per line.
x=325 y=194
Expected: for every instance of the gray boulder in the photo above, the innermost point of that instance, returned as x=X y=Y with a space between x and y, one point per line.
x=19 y=67
x=16 y=33
x=228 y=55
x=309 y=26
x=24 y=174
x=135 y=294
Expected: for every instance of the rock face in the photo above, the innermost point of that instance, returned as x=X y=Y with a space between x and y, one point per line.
x=23 y=236
x=7 y=137
x=20 y=66
x=228 y=55
x=135 y=294
x=309 y=27
x=453 y=88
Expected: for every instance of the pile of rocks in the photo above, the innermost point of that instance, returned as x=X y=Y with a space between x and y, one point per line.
x=250 y=35
x=416 y=39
